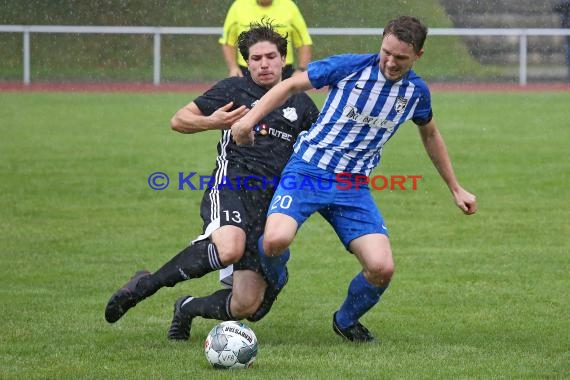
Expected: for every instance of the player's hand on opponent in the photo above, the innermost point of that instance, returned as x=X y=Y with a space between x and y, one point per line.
x=224 y=117
x=466 y=201
x=235 y=72
x=242 y=134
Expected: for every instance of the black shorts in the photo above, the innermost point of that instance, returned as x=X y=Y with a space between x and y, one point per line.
x=246 y=209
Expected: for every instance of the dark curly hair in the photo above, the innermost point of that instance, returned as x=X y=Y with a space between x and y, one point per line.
x=258 y=32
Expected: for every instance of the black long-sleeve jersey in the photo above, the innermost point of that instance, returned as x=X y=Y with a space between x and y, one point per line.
x=275 y=134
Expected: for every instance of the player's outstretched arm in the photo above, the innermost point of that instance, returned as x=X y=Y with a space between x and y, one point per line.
x=437 y=151
x=242 y=131
x=190 y=119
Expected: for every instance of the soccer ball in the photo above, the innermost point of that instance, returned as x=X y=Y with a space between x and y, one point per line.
x=231 y=344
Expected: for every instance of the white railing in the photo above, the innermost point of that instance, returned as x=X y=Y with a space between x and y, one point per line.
x=521 y=33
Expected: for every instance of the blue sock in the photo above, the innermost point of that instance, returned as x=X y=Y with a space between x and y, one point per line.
x=273 y=267
x=362 y=295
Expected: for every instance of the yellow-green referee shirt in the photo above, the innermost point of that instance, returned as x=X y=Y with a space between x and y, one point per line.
x=285 y=16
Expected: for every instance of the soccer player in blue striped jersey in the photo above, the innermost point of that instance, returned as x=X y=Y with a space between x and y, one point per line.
x=370 y=96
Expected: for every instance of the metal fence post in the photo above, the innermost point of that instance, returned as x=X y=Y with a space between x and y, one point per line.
x=26 y=52
x=522 y=58
x=156 y=74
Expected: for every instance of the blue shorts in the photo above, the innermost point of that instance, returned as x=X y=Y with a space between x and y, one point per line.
x=305 y=189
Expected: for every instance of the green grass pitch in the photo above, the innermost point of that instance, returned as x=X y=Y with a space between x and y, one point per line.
x=484 y=296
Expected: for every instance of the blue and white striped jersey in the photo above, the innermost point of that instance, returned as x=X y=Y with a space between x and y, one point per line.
x=362 y=111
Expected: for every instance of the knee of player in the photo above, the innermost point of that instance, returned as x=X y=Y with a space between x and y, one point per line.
x=231 y=255
x=380 y=273
x=230 y=245
x=274 y=243
x=388 y=271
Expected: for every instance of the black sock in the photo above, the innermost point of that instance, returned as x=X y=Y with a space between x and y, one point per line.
x=194 y=261
x=214 y=306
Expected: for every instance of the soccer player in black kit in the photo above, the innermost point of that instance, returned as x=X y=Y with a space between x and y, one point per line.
x=234 y=212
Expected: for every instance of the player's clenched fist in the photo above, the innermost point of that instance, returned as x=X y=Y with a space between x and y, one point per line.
x=242 y=134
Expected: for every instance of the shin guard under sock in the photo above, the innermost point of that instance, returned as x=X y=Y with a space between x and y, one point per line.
x=214 y=306
x=273 y=267
x=194 y=261
x=362 y=295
